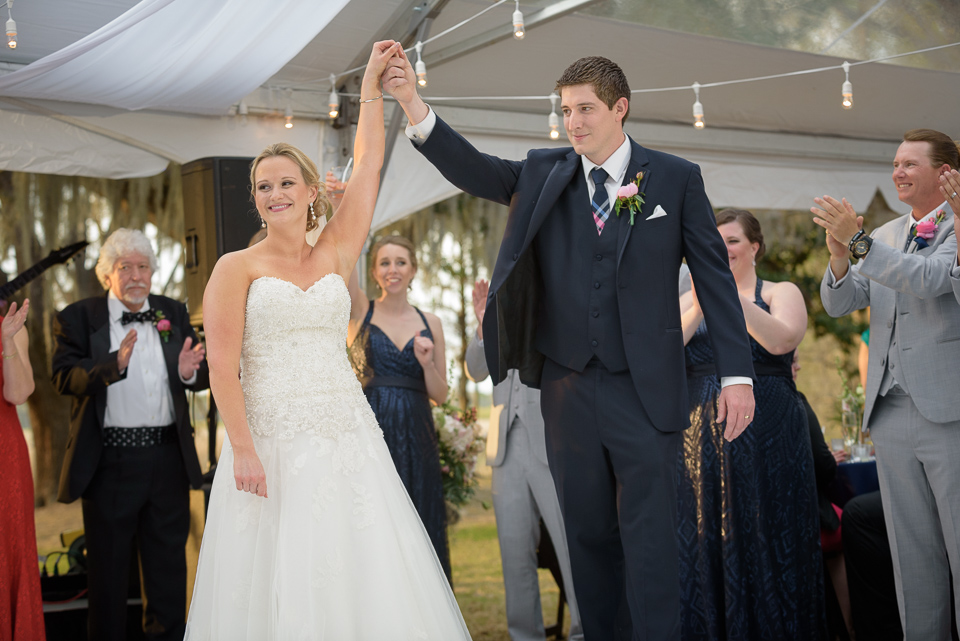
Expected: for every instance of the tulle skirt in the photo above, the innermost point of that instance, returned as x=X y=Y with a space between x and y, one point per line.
x=336 y=552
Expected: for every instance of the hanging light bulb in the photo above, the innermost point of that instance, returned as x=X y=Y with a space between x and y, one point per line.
x=288 y=113
x=334 y=100
x=553 y=120
x=420 y=67
x=11 y=27
x=697 y=108
x=242 y=111
x=847 y=90
x=518 y=31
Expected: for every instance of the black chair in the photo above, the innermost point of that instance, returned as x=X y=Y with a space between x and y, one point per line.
x=547 y=559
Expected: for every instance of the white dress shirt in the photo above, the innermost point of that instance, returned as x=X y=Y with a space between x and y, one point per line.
x=143 y=398
x=615 y=166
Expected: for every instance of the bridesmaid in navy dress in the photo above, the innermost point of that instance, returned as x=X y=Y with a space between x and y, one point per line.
x=397 y=352
x=750 y=561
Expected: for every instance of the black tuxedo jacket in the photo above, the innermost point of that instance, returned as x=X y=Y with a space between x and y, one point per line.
x=83 y=367
x=649 y=254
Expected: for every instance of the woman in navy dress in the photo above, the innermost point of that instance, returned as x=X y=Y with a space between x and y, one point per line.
x=750 y=561
x=397 y=352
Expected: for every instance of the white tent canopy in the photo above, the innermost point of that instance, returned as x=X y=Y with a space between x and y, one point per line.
x=160 y=79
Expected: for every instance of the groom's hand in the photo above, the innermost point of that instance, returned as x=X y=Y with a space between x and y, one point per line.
x=400 y=81
x=735 y=405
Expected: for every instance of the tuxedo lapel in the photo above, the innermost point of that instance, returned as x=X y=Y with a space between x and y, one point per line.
x=171 y=347
x=557 y=180
x=100 y=346
x=638 y=163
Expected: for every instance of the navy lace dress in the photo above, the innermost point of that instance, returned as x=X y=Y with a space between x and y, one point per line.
x=750 y=562
x=394 y=385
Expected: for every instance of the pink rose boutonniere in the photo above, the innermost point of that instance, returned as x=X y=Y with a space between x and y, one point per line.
x=631 y=197
x=162 y=325
x=926 y=229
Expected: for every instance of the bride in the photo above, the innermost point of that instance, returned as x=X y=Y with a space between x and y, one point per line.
x=314 y=536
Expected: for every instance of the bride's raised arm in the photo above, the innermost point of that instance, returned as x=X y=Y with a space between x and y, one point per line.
x=349 y=226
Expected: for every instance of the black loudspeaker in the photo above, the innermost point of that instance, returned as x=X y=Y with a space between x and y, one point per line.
x=218 y=217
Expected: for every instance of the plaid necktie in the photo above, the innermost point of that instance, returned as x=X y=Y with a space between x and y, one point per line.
x=147 y=316
x=600 y=204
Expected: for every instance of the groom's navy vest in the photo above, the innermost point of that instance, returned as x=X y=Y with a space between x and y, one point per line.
x=579 y=315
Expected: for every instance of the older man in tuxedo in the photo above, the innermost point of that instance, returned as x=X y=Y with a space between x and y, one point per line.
x=523 y=491
x=911 y=410
x=126 y=358
x=583 y=304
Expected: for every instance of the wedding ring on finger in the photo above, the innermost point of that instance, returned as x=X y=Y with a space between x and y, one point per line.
x=953 y=195
x=746 y=416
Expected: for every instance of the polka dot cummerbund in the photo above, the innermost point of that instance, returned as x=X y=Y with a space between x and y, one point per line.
x=139 y=436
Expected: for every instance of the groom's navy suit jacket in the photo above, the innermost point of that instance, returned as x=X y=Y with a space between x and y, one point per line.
x=522 y=325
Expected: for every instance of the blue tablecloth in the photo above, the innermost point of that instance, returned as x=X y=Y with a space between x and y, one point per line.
x=853 y=479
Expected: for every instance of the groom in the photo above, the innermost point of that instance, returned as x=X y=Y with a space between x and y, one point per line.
x=584 y=304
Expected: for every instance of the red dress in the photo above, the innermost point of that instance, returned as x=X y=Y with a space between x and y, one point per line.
x=21 y=607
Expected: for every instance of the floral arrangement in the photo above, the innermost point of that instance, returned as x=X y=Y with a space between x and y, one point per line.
x=852 y=403
x=460 y=441
x=162 y=325
x=631 y=197
x=926 y=229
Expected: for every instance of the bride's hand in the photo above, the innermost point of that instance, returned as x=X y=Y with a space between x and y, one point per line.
x=379 y=57
x=248 y=472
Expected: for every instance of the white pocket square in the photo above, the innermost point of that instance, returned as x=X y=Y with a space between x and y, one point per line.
x=657 y=213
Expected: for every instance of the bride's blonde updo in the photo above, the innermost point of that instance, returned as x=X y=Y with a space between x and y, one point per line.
x=311 y=176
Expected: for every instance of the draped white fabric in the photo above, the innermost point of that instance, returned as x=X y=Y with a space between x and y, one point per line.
x=177 y=55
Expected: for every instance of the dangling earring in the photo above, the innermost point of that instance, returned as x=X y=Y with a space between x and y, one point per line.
x=263 y=224
x=312 y=216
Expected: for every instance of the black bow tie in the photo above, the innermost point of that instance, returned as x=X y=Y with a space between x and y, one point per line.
x=147 y=316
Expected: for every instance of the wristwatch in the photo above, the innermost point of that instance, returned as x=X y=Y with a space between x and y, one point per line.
x=860 y=245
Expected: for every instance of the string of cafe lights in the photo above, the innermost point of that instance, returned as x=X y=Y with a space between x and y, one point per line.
x=846 y=90
x=420 y=68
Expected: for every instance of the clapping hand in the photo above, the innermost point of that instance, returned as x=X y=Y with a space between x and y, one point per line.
x=190 y=359
x=950 y=190
x=841 y=222
x=126 y=349
x=423 y=350
x=13 y=321
x=480 y=291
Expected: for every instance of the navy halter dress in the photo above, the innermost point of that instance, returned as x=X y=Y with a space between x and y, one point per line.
x=394 y=384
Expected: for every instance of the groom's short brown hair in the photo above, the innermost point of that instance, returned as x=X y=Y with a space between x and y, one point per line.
x=605 y=76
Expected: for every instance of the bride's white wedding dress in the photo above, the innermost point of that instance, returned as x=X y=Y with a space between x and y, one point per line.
x=337 y=551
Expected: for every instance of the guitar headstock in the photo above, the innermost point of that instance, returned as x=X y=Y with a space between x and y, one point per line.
x=62 y=255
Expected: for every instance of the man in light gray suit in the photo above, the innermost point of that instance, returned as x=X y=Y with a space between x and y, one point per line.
x=523 y=491
x=911 y=410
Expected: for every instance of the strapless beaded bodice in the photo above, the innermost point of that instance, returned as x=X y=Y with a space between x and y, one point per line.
x=293 y=364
